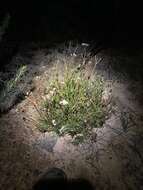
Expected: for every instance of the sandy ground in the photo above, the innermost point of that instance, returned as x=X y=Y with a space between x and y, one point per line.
x=113 y=159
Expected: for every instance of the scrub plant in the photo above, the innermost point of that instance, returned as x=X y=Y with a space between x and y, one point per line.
x=73 y=104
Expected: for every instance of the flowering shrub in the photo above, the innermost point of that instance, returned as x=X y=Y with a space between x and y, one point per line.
x=73 y=104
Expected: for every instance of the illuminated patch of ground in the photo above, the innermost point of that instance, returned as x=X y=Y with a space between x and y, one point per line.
x=111 y=159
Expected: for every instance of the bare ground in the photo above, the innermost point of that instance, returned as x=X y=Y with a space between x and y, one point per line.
x=113 y=159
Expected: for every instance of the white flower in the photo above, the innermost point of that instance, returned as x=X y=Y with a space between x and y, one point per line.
x=85 y=44
x=48 y=97
x=52 y=91
x=78 y=135
x=73 y=54
x=64 y=103
x=37 y=77
x=62 y=82
x=54 y=122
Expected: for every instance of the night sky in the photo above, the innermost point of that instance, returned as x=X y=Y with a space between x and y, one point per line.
x=101 y=20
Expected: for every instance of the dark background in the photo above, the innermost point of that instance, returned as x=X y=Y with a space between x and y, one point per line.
x=109 y=21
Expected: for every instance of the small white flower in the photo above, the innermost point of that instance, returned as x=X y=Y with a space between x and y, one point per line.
x=79 y=135
x=48 y=97
x=54 y=89
x=89 y=62
x=27 y=93
x=37 y=77
x=64 y=103
x=54 y=122
x=51 y=92
x=78 y=78
x=85 y=44
x=73 y=54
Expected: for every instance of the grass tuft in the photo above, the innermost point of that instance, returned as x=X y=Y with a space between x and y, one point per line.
x=10 y=88
x=73 y=104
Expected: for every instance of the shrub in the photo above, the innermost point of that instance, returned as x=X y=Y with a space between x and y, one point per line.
x=73 y=104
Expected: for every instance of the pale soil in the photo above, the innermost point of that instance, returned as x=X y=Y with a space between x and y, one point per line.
x=113 y=159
